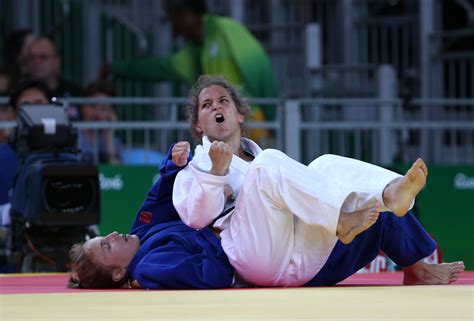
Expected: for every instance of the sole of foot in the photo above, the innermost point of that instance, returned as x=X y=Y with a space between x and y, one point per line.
x=400 y=194
x=352 y=224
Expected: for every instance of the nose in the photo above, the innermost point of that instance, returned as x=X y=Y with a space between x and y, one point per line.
x=112 y=236
x=216 y=106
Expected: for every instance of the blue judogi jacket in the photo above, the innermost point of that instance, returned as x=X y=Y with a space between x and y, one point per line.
x=173 y=255
x=8 y=165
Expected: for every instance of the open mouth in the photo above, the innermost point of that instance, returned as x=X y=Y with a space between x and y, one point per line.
x=220 y=118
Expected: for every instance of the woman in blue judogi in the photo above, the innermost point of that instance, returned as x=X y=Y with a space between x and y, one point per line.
x=160 y=251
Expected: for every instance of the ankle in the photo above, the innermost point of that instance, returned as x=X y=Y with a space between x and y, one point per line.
x=389 y=190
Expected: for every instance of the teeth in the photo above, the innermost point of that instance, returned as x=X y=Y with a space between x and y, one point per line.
x=219 y=118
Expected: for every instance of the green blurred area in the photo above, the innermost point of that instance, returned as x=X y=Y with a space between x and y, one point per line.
x=123 y=189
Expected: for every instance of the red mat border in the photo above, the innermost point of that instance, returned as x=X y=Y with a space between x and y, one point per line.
x=56 y=283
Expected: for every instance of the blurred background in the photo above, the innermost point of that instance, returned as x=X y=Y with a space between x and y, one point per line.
x=384 y=81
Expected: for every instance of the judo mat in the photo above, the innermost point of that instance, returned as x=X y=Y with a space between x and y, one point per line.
x=361 y=297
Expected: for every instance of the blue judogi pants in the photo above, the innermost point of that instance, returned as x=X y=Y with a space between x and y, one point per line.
x=403 y=239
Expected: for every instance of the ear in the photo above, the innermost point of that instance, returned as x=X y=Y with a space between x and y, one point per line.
x=198 y=128
x=118 y=273
x=241 y=118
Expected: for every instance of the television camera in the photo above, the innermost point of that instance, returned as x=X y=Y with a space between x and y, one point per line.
x=56 y=193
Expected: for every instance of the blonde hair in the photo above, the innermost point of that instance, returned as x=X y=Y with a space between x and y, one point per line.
x=85 y=273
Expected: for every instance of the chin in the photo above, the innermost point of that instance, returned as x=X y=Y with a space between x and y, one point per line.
x=135 y=239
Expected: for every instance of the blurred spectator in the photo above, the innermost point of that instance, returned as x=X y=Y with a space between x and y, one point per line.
x=216 y=45
x=44 y=63
x=15 y=55
x=100 y=141
x=5 y=81
x=26 y=92
x=6 y=112
x=29 y=92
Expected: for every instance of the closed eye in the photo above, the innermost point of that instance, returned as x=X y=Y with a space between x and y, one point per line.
x=105 y=244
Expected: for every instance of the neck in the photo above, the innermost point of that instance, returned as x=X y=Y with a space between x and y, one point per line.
x=234 y=143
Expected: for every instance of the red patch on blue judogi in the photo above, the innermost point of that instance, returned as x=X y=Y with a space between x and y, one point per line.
x=145 y=217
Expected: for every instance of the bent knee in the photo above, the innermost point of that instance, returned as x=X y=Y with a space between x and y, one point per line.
x=269 y=158
x=323 y=160
x=266 y=166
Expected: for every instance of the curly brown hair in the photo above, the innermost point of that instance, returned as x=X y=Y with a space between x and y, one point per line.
x=206 y=81
x=85 y=273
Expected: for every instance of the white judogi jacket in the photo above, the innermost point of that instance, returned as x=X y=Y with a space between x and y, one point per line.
x=195 y=191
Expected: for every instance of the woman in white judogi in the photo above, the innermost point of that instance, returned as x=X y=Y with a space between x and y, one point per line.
x=279 y=219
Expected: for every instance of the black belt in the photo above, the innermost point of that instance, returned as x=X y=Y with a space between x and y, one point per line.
x=227 y=211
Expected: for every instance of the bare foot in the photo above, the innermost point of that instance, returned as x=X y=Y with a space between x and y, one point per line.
x=424 y=273
x=352 y=224
x=400 y=194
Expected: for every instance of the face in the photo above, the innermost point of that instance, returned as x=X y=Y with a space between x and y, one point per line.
x=98 y=112
x=32 y=96
x=23 y=56
x=44 y=63
x=113 y=250
x=218 y=117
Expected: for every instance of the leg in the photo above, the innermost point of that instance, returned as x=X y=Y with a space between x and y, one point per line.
x=341 y=185
x=395 y=192
x=363 y=181
x=403 y=239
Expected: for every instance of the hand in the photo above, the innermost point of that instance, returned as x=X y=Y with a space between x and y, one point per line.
x=179 y=153
x=221 y=157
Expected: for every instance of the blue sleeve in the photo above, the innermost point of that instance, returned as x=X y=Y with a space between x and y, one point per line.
x=8 y=167
x=175 y=266
x=158 y=205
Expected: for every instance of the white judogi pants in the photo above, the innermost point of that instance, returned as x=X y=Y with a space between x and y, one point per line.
x=284 y=225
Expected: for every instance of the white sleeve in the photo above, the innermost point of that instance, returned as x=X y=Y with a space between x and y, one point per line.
x=198 y=196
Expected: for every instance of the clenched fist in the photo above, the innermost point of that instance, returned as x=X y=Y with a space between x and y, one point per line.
x=221 y=156
x=179 y=153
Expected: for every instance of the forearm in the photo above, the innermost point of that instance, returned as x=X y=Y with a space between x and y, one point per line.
x=198 y=197
x=149 y=68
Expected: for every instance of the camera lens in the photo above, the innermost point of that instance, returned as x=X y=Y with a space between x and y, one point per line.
x=68 y=195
